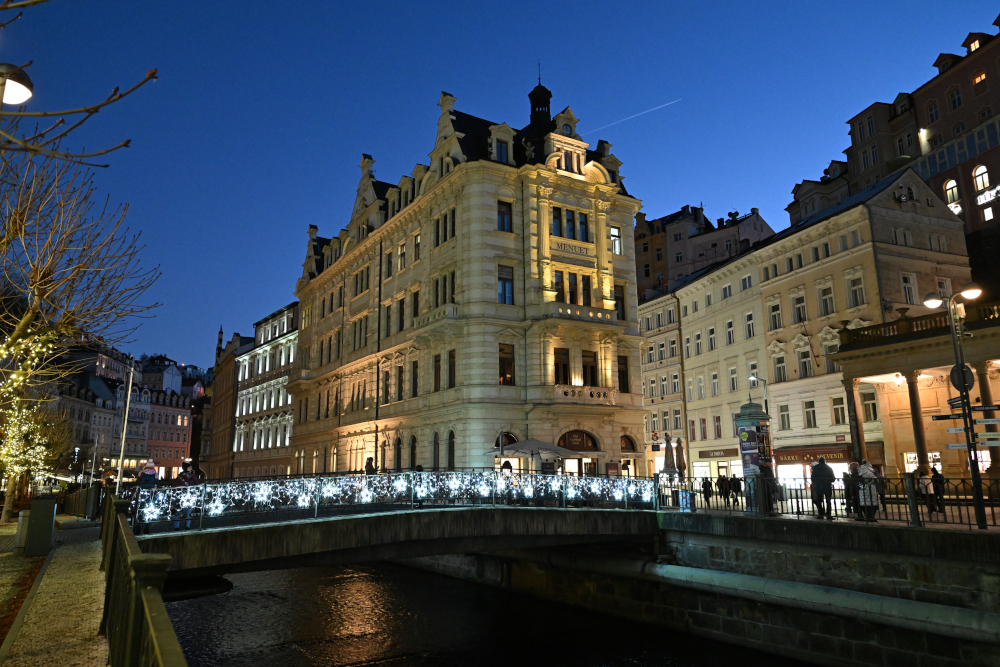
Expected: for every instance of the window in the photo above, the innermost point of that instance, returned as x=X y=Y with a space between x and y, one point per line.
x=987 y=214
x=708 y=300
x=981 y=177
x=932 y=112
x=809 y=412
x=675 y=383
x=687 y=347
x=561 y=355
x=663 y=385
x=798 y=261
x=839 y=411
x=871 y=126
x=730 y=333
x=671 y=316
x=727 y=291
x=944 y=286
x=973 y=46
x=693 y=434
x=504 y=216
x=659 y=254
x=749 y=329
x=659 y=320
x=874 y=155
x=959 y=129
x=955 y=99
x=711 y=339
x=645 y=247
x=826 y=304
x=414 y=379
x=951 y=191
x=902 y=237
x=815 y=254
x=570 y=225
x=572 y=288
x=697 y=344
x=585 y=230
x=979 y=83
x=780 y=374
x=677 y=420
x=656 y=421
x=746 y=282
x=985 y=113
x=774 y=316
x=718 y=427
x=623 y=380
x=452 y=369
x=714 y=384
x=505 y=285
x=843 y=243
x=784 y=418
x=619 y=302
x=910 y=288
x=864 y=160
x=589 y=360
x=937 y=140
x=672 y=347
x=506 y=364
x=690 y=392
x=616 y=240
x=649 y=354
x=704 y=429
x=855 y=293
x=861 y=131
x=645 y=270
x=799 y=313
x=502 y=154
x=661 y=352
x=855 y=238
x=734 y=383
x=557 y=277
x=789 y=265
x=694 y=306
x=805 y=364
x=652 y=388
x=870 y=405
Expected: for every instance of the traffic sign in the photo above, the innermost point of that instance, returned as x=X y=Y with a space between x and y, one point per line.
x=985 y=408
x=955 y=401
x=938 y=418
x=962 y=374
x=988 y=421
x=960 y=429
x=956 y=445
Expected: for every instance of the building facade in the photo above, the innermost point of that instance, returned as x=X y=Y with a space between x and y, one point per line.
x=487 y=297
x=218 y=447
x=662 y=380
x=264 y=415
x=169 y=431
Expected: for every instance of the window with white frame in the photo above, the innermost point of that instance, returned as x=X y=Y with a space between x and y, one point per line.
x=697 y=344
x=616 y=240
x=675 y=383
x=701 y=387
x=870 y=405
x=799 y=309
x=839 y=411
x=805 y=364
x=902 y=236
x=749 y=329
x=752 y=373
x=661 y=353
x=687 y=347
x=649 y=354
x=714 y=385
x=663 y=385
x=690 y=392
x=826 y=304
x=672 y=347
x=727 y=291
x=652 y=388
x=730 y=333
x=855 y=292
x=938 y=243
x=746 y=282
x=711 y=338
x=909 y=288
x=944 y=286
x=780 y=373
x=784 y=418
x=809 y=414
x=831 y=365
x=774 y=316
x=677 y=420
x=734 y=382
x=855 y=238
x=655 y=419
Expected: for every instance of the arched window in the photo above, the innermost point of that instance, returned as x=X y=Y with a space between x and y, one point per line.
x=451 y=450
x=507 y=438
x=981 y=177
x=909 y=193
x=397 y=454
x=628 y=444
x=950 y=191
x=413 y=452
x=578 y=441
x=437 y=452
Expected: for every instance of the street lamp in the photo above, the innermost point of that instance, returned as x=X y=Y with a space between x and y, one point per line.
x=754 y=378
x=15 y=84
x=970 y=292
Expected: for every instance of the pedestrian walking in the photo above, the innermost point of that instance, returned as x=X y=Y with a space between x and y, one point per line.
x=926 y=485
x=706 y=491
x=722 y=485
x=868 y=490
x=937 y=481
x=188 y=477
x=822 y=487
x=736 y=487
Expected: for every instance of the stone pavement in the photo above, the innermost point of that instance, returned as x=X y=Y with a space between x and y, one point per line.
x=65 y=613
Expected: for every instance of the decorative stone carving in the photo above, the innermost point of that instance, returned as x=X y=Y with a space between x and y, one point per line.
x=776 y=348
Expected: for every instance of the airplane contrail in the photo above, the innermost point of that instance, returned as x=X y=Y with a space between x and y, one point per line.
x=635 y=116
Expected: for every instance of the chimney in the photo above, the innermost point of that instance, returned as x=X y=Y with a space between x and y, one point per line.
x=686 y=210
x=754 y=211
x=218 y=346
x=640 y=219
x=722 y=222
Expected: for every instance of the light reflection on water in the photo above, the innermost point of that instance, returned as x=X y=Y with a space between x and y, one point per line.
x=389 y=615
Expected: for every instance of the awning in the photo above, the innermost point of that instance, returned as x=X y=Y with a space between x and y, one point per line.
x=546 y=451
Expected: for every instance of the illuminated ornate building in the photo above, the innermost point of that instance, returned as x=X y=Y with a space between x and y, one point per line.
x=489 y=294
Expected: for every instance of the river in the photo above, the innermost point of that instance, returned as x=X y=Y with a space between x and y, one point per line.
x=394 y=616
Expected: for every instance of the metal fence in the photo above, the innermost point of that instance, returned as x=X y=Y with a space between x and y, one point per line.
x=85 y=502
x=909 y=500
x=135 y=619
x=256 y=501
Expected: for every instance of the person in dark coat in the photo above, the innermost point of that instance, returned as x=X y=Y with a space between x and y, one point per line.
x=706 y=491
x=937 y=481
x=370 y=468
x=769 y=485
x=822 y=484
x=146 y=483
x=736 y=486
x=188 y=477
x=854 y=489
x=722 y=486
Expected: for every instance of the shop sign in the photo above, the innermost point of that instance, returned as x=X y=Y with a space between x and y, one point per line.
x=730 y=453
x=570 y=248
x=841 y=438
x=988 y=196
x=785 y=456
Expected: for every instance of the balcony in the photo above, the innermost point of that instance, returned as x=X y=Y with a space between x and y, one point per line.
x=978 y=316
x=582 y=313
x=448 y=311
x=563 y=394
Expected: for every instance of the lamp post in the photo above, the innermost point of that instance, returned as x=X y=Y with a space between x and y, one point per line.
x=754 y=378
x=970 y=292
x=15 y=85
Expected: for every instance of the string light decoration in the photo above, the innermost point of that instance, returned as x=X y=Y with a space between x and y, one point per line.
x=485 y=487
x=25 y=446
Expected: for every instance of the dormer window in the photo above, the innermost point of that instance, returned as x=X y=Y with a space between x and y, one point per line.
x=501 y=154
x=973 y=46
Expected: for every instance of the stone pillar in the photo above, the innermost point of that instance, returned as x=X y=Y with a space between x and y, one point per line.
x=917 y=418
x=544 y=222
x=855 y=419
x=605 y=285
x=986 y=394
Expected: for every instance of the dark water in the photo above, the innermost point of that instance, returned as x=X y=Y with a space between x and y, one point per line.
x=389 y=615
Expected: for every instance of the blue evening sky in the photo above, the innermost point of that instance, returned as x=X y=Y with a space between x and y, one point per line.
x=257 y=124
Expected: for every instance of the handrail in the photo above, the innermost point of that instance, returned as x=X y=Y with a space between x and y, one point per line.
x=135 y=620
x=933 y=324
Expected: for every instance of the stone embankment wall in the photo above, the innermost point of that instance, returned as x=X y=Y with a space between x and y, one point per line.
x=832 y=594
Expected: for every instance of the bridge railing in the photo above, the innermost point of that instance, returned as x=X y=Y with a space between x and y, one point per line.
x=253 y=501
x=135 y=620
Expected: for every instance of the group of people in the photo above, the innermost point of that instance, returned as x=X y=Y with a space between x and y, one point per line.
x=149 y=479
x=863 y=490
x=931 y=486
x=730 y=489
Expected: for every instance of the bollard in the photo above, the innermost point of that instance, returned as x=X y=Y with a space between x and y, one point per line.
x=911 y=499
